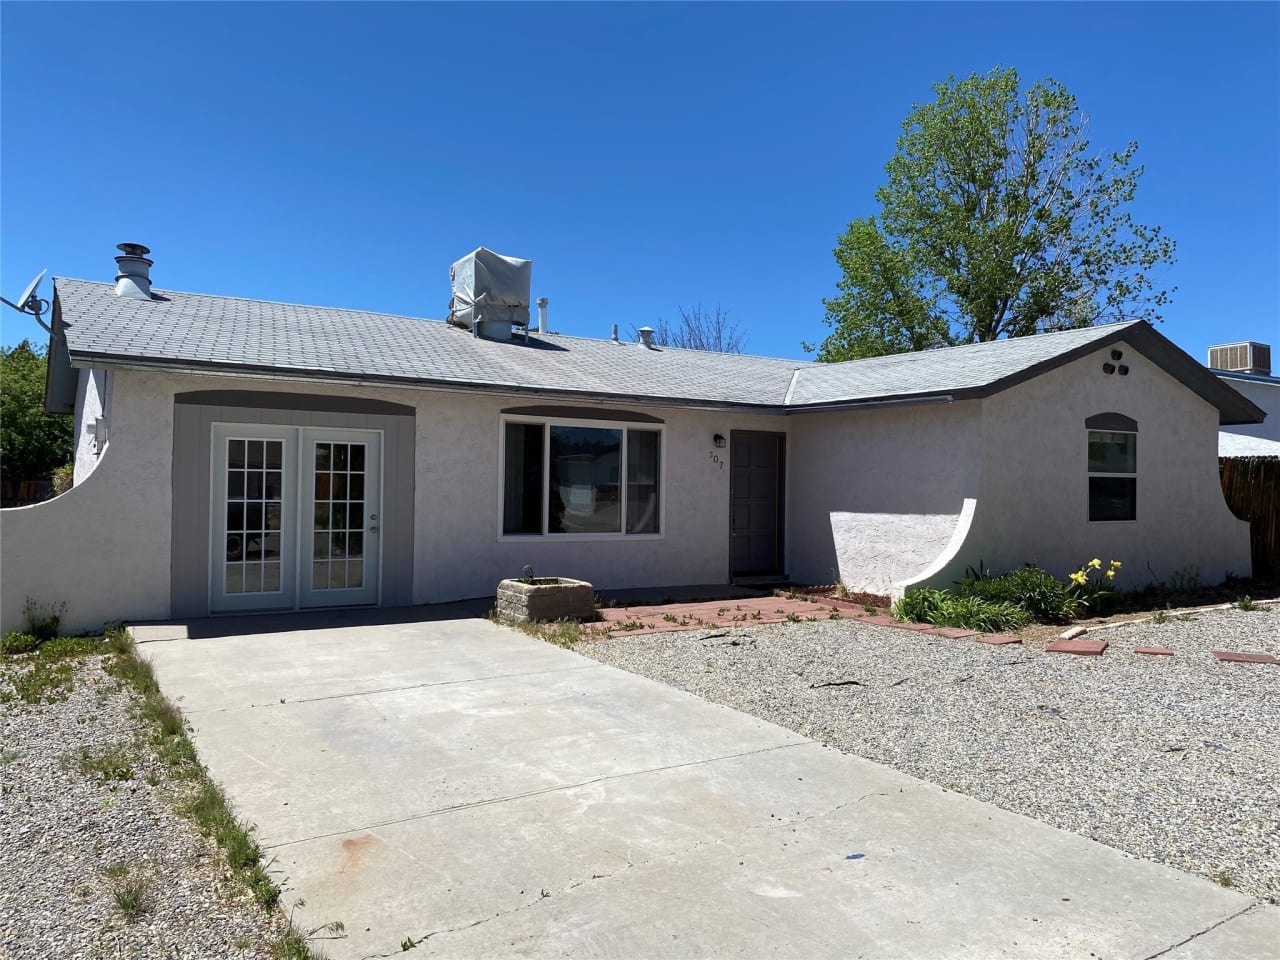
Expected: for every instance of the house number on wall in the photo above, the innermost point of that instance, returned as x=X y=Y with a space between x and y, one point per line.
x=715 y=458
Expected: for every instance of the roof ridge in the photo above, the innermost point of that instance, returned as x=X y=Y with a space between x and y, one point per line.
x=914 y=354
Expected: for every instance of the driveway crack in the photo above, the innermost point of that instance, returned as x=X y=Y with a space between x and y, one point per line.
x=1200 y=933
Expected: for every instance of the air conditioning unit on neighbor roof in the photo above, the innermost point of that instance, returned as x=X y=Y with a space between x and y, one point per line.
x=490 y=294
x=1244 y=357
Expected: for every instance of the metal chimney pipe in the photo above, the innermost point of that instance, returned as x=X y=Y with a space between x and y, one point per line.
x=134 y=277
x=542 y=314
x=646 y=336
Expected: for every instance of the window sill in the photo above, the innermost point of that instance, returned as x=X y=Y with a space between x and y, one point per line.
x=578 y=537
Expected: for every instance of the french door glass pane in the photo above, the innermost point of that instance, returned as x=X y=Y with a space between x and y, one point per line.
x=338 y=533
x=255 y=488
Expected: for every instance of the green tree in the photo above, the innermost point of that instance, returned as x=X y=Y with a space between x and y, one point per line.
x=32 y=442
x=997 y=220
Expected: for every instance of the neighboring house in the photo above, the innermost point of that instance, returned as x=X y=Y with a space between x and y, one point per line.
x=1246 y=368
x=240 y=455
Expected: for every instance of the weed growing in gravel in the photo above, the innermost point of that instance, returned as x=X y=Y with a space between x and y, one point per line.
x=1225 y=879
x=106 y=763
x=293 y=945
x=61 y=648
x=14 y=643
x=1247 y=604
x=131 y=895
x=39 y=681
x=117 y=870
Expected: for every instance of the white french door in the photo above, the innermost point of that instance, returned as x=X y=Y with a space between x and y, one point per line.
x=294 y=520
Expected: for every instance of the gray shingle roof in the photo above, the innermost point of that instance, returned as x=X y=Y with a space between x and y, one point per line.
x=230 y=334
x=972 y=367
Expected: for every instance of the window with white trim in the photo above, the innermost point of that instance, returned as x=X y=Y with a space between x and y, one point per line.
x=571 y=478
x=1113 y=467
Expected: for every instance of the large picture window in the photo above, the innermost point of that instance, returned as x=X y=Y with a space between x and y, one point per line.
x=1113 y=475
x=580 y=479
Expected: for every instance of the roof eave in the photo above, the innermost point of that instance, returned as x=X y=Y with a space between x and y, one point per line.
x=304 y=375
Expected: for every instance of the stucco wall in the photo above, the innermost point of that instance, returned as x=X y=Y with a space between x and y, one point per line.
x=1265 y=395
x=460 y=554
x=93 y=400
x=103 y=546
x=875 y=495
x=1033 y=503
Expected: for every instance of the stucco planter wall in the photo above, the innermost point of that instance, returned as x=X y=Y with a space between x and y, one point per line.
x=546 y=598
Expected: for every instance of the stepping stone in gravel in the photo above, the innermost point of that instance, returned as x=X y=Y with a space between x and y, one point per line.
x=1227 y=656
x=997 y=639
x=1155 y=651
x=1082 y=648
x=954 y=633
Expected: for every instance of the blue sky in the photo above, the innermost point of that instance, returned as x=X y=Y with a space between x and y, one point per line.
x=645 y=156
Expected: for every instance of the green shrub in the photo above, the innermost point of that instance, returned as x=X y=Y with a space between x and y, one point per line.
x=920 y=606
x=973 y=613
x=1043 y=596
x=14 y=643
x=64 y=478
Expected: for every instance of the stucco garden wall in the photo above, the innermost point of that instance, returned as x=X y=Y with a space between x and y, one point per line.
x=874 y=496
x=103 y=546
x=1033 y=505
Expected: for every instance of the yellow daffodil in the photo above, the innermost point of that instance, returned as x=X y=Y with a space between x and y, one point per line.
x=1110 y=574
x=1095 y=563
x=1079 y=577
x=1116 y=564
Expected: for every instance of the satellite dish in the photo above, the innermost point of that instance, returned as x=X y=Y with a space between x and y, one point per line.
x=31 y=304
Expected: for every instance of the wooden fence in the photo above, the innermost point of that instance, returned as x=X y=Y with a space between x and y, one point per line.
x=1251 y=486
x=23 y=491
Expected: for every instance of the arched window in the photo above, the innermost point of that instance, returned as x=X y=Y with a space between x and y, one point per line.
x=1113 y=467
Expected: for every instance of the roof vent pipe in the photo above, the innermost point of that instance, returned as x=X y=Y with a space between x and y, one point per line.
x=542 y=314
x=134 y=277
x=614 y=338
x=646 y=336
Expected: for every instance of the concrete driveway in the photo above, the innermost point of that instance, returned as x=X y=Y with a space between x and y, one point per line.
x=426 y=775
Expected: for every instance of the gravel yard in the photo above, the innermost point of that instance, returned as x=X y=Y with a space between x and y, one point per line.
x=72 y=839
x=1173 y=759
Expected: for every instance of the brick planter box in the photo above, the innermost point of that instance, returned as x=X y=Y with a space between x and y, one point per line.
x=546 y=598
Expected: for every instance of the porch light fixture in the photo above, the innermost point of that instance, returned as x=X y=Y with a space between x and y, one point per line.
x=718 y=440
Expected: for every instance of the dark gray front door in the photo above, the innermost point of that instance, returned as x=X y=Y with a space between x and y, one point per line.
x=756 y=464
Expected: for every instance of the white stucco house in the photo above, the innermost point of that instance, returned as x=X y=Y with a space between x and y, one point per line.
x=1246 y=368
x=239 y=455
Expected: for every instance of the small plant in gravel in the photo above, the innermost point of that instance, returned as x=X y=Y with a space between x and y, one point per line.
x=130 y=893
x=294 y=944
x=1247 y=604
x=13 y=643
x=38 y=681
x=107 y=763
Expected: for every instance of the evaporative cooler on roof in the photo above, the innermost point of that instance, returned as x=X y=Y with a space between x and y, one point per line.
x=490 y=293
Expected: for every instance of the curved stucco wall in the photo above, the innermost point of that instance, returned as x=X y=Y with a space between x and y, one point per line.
x=1033 y=504
x=102 y=548
x=875 y=495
